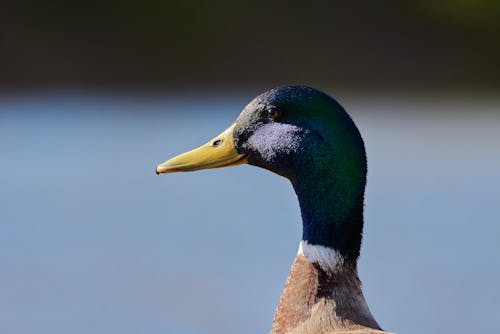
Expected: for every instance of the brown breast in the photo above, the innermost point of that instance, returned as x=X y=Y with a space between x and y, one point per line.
x=315 y=302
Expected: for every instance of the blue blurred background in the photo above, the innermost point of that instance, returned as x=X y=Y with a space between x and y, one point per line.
x=94 y=95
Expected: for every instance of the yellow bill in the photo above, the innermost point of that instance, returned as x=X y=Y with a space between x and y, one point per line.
x=218 y=152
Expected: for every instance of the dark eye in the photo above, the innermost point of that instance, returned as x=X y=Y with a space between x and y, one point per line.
x=217 y=142
x=273 y=113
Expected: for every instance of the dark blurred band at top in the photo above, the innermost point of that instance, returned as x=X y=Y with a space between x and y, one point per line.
x=391 y=43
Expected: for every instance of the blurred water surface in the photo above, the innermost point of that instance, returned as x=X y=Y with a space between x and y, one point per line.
x=92 y=241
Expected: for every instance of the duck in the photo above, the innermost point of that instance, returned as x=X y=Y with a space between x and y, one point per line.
x=306 y=136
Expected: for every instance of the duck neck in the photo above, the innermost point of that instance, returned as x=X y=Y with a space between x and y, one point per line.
x=323 y=292
x=332 y=212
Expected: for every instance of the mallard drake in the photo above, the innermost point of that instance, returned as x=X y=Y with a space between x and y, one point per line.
x=307 y=137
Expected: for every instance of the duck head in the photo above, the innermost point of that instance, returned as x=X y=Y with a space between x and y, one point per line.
x=306 y=136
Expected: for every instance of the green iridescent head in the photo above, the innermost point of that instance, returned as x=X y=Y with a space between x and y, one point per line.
x=306 y=136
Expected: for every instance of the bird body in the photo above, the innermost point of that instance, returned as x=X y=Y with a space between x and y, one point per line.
x=322 y=295
x=307 y=137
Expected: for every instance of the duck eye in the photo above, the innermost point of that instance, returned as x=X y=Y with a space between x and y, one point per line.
x=273 y=113
x=217 y=142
